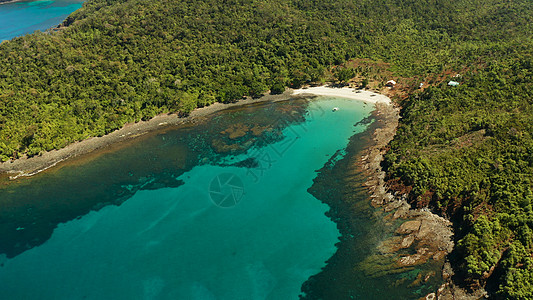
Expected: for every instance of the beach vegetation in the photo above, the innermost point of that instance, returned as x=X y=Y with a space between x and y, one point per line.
x=464 y=151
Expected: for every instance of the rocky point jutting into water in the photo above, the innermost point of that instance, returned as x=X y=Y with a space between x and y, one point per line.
x=419 y=237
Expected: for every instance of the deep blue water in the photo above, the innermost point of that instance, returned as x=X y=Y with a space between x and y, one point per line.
x=25 y=17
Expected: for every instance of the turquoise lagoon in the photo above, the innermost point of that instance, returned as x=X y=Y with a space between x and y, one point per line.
x=25 y=17
x=189 y=213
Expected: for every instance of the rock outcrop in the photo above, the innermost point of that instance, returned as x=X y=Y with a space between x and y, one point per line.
x=418 y=236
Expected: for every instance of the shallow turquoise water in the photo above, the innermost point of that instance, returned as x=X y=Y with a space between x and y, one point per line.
x=21 y=18
x=259 y=237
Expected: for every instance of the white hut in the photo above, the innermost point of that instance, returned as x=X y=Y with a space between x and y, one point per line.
x=390 y=83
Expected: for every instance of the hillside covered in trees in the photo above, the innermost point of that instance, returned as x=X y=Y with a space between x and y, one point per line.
x=465 y=151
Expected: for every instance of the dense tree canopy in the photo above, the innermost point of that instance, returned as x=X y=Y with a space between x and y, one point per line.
x=466 y=151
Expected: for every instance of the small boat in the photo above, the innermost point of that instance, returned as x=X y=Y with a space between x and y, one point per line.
x=335 y=109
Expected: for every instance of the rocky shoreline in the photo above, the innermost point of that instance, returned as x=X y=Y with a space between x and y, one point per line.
x=420 y=237
x=429 y=237
x=29 y=166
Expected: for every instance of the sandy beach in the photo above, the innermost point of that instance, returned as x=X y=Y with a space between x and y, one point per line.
x=30 y=166
x=344 y=92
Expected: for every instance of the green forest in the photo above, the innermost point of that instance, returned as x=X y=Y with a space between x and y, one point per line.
x=465 y=151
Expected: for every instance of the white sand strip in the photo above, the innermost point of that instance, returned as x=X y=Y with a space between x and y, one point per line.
x=345 y=92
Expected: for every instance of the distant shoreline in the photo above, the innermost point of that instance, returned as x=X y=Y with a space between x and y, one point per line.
x=9 y=1
x=25 y=167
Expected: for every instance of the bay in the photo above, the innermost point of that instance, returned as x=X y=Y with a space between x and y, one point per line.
x=219 y=210
x=24 y=17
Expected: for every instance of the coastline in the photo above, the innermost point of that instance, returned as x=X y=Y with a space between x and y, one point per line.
x=344 y=92
x=403 y=241
x=428 y=235
x=9 y=1
x=29 y=166
x=432 y=239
